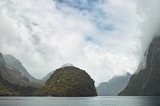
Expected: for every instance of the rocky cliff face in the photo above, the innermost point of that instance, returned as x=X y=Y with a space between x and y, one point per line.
x=146 y=82
x=114 y=86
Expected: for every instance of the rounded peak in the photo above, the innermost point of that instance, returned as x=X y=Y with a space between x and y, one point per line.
x=69 y=81
x=67 y=65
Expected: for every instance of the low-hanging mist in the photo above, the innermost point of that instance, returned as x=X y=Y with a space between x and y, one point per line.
x=104 y=37
x=149 y=26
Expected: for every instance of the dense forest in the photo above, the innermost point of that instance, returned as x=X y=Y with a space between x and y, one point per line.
x=68 y=81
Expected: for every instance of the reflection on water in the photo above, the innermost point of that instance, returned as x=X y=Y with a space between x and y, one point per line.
x=80 y=101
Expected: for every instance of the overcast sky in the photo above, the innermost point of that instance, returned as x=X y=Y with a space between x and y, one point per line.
x=103 y=37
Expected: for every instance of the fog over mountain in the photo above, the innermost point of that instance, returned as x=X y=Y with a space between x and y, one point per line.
x=17 y=65
x=104 y=37
x=114 y=86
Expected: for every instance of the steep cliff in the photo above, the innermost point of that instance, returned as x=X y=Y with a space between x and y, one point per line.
x=146 y=82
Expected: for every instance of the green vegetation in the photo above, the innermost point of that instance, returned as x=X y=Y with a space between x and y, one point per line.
x=9 y=89
x=68 y=81
x=4 y=91
x=12 y=83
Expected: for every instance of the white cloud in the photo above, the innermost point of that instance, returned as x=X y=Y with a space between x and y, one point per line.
x=104 y=40
x=149 y=10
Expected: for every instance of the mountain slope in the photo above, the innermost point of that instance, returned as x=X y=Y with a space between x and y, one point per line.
x=113 y=86
x=146 y=81
x=13 y=75
x=10 y=89
x=17 y=65
x=68 y=81
x=5 y=91
x=12 y=82
x=9 y=74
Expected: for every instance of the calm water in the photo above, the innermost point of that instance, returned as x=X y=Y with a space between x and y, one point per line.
x=80 y=101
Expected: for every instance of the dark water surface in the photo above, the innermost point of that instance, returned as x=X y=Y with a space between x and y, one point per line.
x=80 y=101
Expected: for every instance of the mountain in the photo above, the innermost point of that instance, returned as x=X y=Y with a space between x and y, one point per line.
x=146 y=82
x=68 y=81
x=114 y=86
x=13 y=82
x=13 y=71
x=4 y=91
x=17 y=65
x=8 y=73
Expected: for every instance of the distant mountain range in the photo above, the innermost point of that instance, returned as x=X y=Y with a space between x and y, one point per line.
x=15 y=79
x=114 y=86
x=146 y=82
